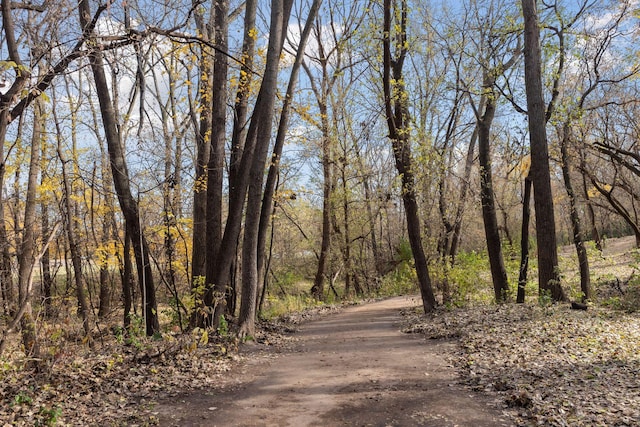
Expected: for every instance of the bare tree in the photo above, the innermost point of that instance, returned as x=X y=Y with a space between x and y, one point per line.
x=253 y=160
x=548 y=274
x=27 y=251
x=397 y=121
x=216 y=155
x=14 y=100
x=249 y=281
x=494 y=65
x=201 y=119
x=121 y=181
x=324 y=68
x=70 y=222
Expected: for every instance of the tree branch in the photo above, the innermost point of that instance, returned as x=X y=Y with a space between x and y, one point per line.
x=61 y=66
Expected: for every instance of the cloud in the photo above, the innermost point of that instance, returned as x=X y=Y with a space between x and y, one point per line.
x=320 y=39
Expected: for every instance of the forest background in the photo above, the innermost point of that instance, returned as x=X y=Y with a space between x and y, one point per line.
x=174 y=166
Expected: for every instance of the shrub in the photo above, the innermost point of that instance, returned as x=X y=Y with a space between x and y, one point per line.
x=401 y=281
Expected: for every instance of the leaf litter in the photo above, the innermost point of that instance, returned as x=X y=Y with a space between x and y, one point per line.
x=543 y=365
x=115 y=386
x=546 y=365
x=118 y=384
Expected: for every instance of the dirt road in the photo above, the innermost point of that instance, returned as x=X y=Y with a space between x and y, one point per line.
x=353 y=368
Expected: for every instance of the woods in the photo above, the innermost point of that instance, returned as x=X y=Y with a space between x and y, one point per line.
x=195 y=167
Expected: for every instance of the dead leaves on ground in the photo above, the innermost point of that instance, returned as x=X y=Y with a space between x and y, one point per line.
x=547 y=365
x=544 y=366
x=117 y=385
x=120 y=384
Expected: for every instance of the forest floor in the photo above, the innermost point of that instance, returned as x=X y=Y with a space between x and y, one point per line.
x=352 y=368
x=380 y=363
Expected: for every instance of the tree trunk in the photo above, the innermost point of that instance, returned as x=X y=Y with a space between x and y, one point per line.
x=110 y=232
x=203 y=150
x=415 y=235
x=241 y=106
x=581 y=250
x=27 y=251
x=524 y=241
x=6 y=99
x=239 y=133
x=250 y=244
x=346 y=234
x=371 y=218
x=260 y=122
x=267 y=267
x=45 y=261
x=105 y=286
x=549 y=276
x=6 y=274
x=396 y=114
x=595 y=234
x=492 y=234
x=47 y=280
x=76 y=258
x=468 y=166
x=329 y=63
x=20 y=98
x=127 y=279
x=317 y=290
x=70 y=217
x=274 y=168
x=218 y=138
x=120 y=176
x=173 y=132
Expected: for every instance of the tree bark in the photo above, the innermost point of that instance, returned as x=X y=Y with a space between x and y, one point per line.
x=274 y=168
x=576 y=226
x=258 y=133
x=105 y=286
x=240 y=127
x=127 y=279
x=492 y=233
x=27 y=251
x=6 y=100
x=468 y=165
x=595 y=234
x=317 y=290
x=218 y=136
x=250 y=273
x=216 y=160
x=524 y=241
x=371 y=218
x=6 y=274
x=70 y=218
x=76 y=258
x=321 y=91
x=18 y=98
x=549 y=276
x=203 y=150
x=346 y=233
x=120 y=176
x=241 y=106
x=110 y=226
x=396 y=114
x=47 y=280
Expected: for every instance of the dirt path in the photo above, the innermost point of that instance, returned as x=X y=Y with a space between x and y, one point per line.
x=353 y=368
